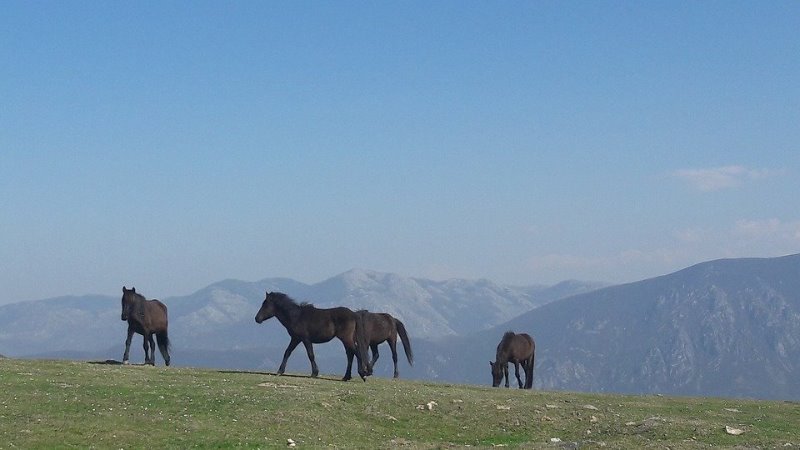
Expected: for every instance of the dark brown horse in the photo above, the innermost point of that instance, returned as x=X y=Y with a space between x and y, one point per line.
x=310 y=325
x=380 y=328
x=146 y=317
x=517 y=349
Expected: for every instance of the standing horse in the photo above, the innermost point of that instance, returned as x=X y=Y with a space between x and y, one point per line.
x=517 y=349
x=146 y=317
x=380 y=328
x=310 y=325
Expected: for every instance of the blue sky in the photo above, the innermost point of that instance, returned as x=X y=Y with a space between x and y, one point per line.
x=169 y=145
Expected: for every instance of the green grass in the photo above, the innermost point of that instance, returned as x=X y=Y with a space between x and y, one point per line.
x=56 y=404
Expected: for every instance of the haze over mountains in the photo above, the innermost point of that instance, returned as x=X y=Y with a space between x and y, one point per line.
x=218 y=319
x=723 y=328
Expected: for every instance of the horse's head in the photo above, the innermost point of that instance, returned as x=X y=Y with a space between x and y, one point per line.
x=497 y=373
x=128 y=296
x=267 y=308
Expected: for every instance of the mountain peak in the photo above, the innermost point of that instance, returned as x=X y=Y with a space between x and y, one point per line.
x=357 y=275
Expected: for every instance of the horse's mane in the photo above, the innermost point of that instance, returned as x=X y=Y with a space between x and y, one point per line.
x=136 y=295
x=508 y=335
x=506 y=340
x=284 y=301
x=289 y=305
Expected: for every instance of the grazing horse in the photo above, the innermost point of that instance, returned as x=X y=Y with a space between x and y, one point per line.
x=146 y=317
x=310 y=325
x=517 y=349
x=380 y=328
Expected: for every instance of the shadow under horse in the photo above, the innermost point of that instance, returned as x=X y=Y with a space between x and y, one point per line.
x=148 y=318
x=383 y=327
x=310 y=325
x=516 y=349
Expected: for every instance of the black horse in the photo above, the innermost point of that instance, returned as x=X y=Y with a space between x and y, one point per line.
x=517 y=349
x=310 y=325
x=383 y=327
x=146 y=317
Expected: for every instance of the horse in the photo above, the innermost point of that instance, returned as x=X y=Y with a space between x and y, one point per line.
x=517 y=349
x=382 y=327
x=310 y=325
x=146 y=317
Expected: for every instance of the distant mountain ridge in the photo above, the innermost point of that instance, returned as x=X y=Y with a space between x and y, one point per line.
x=220 y=316
x=720 y=328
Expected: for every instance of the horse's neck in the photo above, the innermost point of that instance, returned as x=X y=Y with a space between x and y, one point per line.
x=138 y=308
x=502 y=357
x=287 y=314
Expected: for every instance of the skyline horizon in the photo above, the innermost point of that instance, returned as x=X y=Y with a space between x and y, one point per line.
x=193 y=291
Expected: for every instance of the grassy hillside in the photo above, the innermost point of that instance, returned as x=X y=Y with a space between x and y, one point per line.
x=63 y=403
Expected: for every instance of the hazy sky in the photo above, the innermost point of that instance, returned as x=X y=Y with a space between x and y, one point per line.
x=169 y=145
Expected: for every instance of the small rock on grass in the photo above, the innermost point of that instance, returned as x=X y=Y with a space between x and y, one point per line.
x=733 y=431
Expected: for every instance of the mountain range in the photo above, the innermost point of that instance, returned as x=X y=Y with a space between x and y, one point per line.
x=215 y=326
x=720 y=328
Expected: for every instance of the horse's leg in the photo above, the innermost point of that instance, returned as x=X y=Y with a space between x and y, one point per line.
x=351 y=350
x=505 y=372
x=146 y=346
x=516 y=372
x=152 y=349
x=529 y=374
x=163 y=345
x=393 y=347
x=292 y=344
x=348 y=349
x=310 y=351
x=127 y=346
x=375 y=356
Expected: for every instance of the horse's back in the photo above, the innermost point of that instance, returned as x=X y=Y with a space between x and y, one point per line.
x=322 y=324
x=515 y=347
x=339 y=314
x=528 y=345
x=157 y=303
x=157 y=313
x=379 y=326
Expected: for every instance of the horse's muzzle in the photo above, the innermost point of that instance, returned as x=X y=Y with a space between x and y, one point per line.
x=124 y=317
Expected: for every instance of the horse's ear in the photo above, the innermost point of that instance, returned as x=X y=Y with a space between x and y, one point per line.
x=491 y=363
x=133 y=289
x=123 y=289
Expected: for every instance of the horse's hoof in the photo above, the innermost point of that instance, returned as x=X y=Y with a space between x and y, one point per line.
x=346 y=378
x=126 y=362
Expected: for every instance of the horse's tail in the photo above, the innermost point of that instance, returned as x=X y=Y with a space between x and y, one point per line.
x=401 y=330
x=362 y=342
x=529 y=371
x=162 y=337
